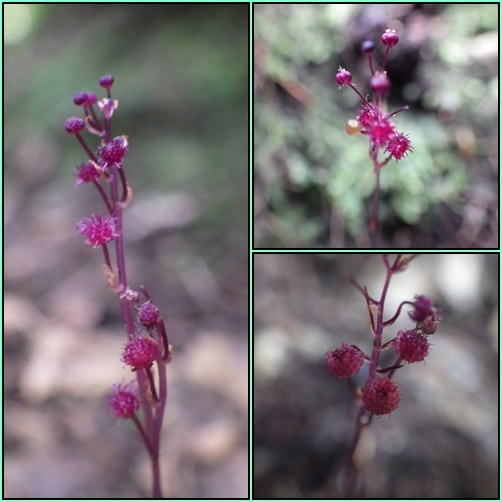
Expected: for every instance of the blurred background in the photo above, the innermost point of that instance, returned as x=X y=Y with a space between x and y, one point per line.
x=181 y=78
x=313 y=183
x=442 y=441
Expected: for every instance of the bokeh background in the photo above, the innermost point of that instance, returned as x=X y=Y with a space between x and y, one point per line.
x=313 y=183
x=443 y=440
x=181 y=78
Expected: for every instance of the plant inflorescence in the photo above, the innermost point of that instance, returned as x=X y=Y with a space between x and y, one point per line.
x=380 y=395
x=147 y=350
x=386 y=142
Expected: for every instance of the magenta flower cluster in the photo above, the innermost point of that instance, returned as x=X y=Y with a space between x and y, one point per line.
x=381 y=395
x=372 y=121
x=147 y=350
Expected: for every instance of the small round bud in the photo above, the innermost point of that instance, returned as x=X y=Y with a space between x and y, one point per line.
x=344 y=361
x=390 y=38
x=148 y=315
x=353 y=127
x=80 y=98
x=74 y=125
x=343 y=77
x=368 y=46
x=106 y=81
x=140 y=352
x=381 y=396
x=91 y=98
x=411 y=346
x=380 y=83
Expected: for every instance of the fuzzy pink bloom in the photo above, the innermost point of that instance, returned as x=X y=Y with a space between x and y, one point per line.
x=87 y=172
x=344 y=361
x=98 y=229
x=398 y=146
x=411 y=346
x=123 y=403
x=140 y=352
x=114 y=151
x=381 y=131
x=423 y=308
x=148 y=315
x=381 y=396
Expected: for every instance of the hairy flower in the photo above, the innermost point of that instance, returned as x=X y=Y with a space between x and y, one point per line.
x=123 y=403
x=422 y=308
x=344 y=361
x=140 y=352
x=398 y=146
x=98 y=229
x=87 y=172
x=114 y=151
x=148 y=315
x=381 y=396
x=411 y=346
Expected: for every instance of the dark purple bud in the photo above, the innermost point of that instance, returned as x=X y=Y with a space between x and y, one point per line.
x=74 y=125
x=368 y=46
x=80 y=98
x=106 y=81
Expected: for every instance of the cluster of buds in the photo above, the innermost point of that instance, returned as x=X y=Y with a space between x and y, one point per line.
x=372 y=120
x=147 y=337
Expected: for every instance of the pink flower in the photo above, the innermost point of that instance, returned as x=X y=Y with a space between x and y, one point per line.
x=87 y=172
x=381 y=396
x=98 y=229
x=423 y=308
x=123 y=403
x=148 y=315
x=399 y=145
x=411 y=346
x=344 y=361
x=140 y=352
x=114 y=151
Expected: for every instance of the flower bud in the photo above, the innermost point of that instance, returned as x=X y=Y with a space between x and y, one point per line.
x=343 y=77
x=74 y=125
x=390 y=38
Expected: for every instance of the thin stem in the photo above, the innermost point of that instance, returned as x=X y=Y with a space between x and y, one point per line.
x=374 y=223
x=86 y=148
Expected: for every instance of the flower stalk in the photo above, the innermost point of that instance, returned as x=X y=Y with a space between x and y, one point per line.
x=147 y=351
x=374 y=122
x=380 y=395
